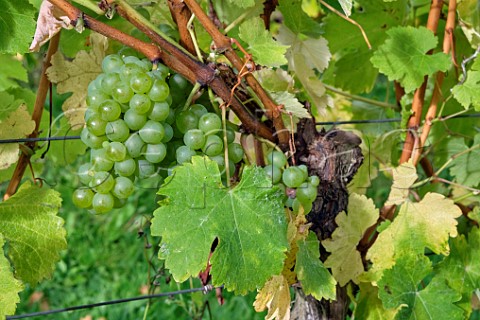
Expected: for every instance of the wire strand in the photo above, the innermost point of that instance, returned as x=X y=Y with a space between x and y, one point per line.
x=205 y=289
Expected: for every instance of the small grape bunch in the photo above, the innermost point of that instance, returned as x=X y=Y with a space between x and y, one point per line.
x=300 y=188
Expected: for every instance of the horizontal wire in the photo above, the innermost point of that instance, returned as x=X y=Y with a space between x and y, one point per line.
x=205 y=289
x=322 y=123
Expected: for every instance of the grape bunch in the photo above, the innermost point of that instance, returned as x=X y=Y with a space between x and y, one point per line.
x=137 y=129
x=300 y=189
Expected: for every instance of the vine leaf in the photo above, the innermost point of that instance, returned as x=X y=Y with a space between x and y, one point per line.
x=315 y=278
x=296 y=19
x=274 y=80
x=275 y=295
x=243 y=3
x=461 y=269
x=468 y=13
x=467 y=93
x=261 y=45
x=49 y=22
x=33 y=231
x=400 y=286
x=428 y=223
x=11 y=69
x=352 y=70
x=248 y=221
x=290 y=104
x=346 y=6
x=403 y=177
x=369 y=306
x=466 y=167
x=345 y=260
x=17 y=24
x=403 y=57
x=74 y=76
x=18 y=124
x=9 y=286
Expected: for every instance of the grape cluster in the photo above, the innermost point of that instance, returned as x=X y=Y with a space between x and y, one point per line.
x=300 y=189
x=137 y=130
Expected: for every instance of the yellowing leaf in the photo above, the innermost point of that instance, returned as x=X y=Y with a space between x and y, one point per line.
x=370 y=307
x=74 y=76
x=345 y=261
x=9 y=286
x=18 y=124
x=275 y=295
x=33 y=231
x=261 y=45
x=403 y=177
x=315 y=278
x=428 y=223
x=297 y=230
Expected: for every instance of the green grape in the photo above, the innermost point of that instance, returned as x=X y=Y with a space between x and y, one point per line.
x=92 y=140
x=306 y=193
x=109 y=82
x=235 y=152
x=82 y=198
x=99 y=160
x=179 y=88
x=144 y=169
x=125 y=168
x=140 y=82
x=123 y=188
x=171 y=117
x=117 y=130
x=128 y=70
x=184 y=154
x=161 y=73
x=115 y=151
x=277 y=158
x=118 y=203
x=103 y=202
x=159 y=91
x=109 y=110
x=314 y=181
x=307 y=207
x=198 y=109
x=152 y=132
x=95 y=98
x=186 y=120
x=230 y=135
x=292 y=177
x=102 y=182
x=112 y=63
x=141 y=103
x=96 y=125
x=210 y=123
x=134 y=120
x=122 y=93
x=159 y=112
x=155 y=153
x=168 y=133
x=132 y=59
x=134 y=145
x=273 y=172
x=213 y=146
x=85 y=173
x=194 y=138
x=303 y=168
x=220 y=160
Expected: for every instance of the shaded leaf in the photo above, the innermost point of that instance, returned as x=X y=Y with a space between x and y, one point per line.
x=17 y=25
x=34 y=232
x=274 y=80
x=9 y=286
x=11 y=69
x=275 y=295
x=369 y=306
x=261 y=45
x=248 y=220
x=290 y=104
x=467 y=93
x=465 y=167
x=403 y=57
x=243 y=3
x=296 y=19
x=345 y=260
x=315 y=278
x=18 y=124
x=74 y=76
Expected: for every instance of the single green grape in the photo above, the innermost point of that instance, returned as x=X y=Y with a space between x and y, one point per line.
x=117 y=130
x=82 y=198
x=273 y=172
x=115 y=151
x=194 y=138
x=91 y=140
x=128 y=70
x=134 y=145
x=103 y=202
x=85 y=173
x=277 y=158
x=123 y=188
x=292 y=177
x=306 y=193
x=198 y=109
x=213 y=146
x=109 y=110
x=159 y=91
x=314 y=180
x=134 y=120
x=159 y=111
x=145 y=169
x=109 y=82
x=303 y=168
x=125 y=168
x=210 y=123
x=141 y=103
x=235 y=152
x=122 y=93
x=95 y=98
x=184 y=154
x=168 y=133
x=152 y=132
x=141 y=82
x=155 y=153
x=99 y=160
x=186 y=120
x=102 y=182
x=112 y=63
x=96 y=125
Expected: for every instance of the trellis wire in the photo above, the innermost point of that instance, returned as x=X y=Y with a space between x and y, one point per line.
x=205 y=289
x=322 y=123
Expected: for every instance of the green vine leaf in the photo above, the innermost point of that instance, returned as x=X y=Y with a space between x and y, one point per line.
x=9 y=286
x=243 y=3
x=74 y=76
x=11 y=70
x=296 y=19
x=33 y=231
x=467 y=93
x=403 y=57
x=399 y=286
x=465 y=167
x=403 y=177
x=370 y=307
x=248 y=221
x=428 y=223
x=261 y=45
x=18 y=124
x=345 y=260
x=315 y=278
x=290 y=104
x=17 y=25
